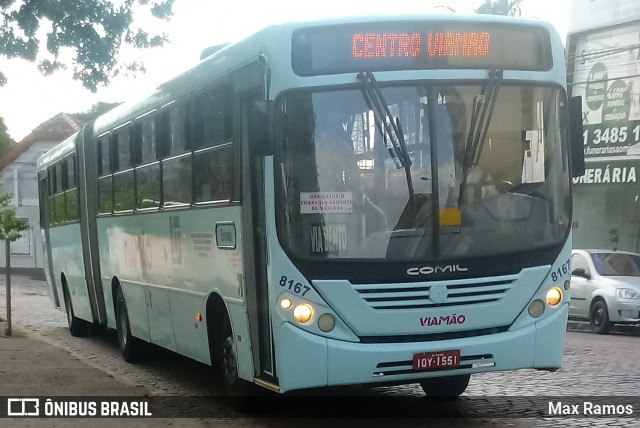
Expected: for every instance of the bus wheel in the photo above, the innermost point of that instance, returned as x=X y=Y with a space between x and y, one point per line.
x=131 y=347
x=447 y=387
x=599 y=316
x=237 y=390
x=77 y=327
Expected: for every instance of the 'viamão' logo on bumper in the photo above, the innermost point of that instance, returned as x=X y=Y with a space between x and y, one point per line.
x=443 y=320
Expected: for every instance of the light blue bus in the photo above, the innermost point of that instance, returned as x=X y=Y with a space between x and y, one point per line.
x=355 y=201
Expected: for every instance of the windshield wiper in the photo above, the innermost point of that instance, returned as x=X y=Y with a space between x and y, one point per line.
x=481 y=114
x=387 y=126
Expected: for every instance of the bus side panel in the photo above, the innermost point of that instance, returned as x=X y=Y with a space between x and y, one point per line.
x=168 y=264
x=66 y=254
x=120 y=259
x=209 y=261
x=190 y=334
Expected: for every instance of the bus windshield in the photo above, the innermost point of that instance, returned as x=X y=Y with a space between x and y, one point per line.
x=477 y=166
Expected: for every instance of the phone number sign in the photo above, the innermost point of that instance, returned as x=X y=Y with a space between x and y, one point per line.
x=605 y=140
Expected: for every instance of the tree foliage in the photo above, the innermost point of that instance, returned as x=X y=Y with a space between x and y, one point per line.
x=11 y=226
x=6 y=142
x=500 y=7
x=96 y=110
x=94 y=30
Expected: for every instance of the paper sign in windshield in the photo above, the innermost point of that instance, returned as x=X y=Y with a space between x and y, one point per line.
x=326 y=202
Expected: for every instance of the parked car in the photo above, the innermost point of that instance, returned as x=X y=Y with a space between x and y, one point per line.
x=605 y=288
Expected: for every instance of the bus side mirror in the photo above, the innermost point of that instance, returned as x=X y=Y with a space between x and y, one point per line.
x=575 y=137
x=261 y=128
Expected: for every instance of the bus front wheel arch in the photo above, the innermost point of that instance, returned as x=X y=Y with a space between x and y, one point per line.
x=131 y=347
x=77 y=327
x=224 y=358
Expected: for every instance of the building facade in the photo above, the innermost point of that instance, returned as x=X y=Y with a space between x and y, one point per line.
x=603 y=51
x=19 y=178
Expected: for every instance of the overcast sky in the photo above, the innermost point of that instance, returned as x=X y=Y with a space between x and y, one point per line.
x=30 y=99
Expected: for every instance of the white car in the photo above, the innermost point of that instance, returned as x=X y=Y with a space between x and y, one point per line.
x=605 y=288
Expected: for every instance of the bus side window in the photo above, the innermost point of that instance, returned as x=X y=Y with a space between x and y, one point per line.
x=176 y=171
x=135 y=141
x=51 y=191
x=124 y=149
x=213 y=168
x=71 y=192
x=148 y=149
x=43 y=190
x=177 y=128
x=163 y=133
x=123 y=182
x=214 y=174
x=147 y=175
x=211 y=117
x=59 y=195
x=105 y=188
x=113 y=153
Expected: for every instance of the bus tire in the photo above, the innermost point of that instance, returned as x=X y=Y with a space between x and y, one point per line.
x=131 y=347
x=599 y=318
x=77 y=326
x=445 y=387
x=239 y=392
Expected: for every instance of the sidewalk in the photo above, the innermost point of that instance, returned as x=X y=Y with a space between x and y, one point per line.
x=33 y=364
x=29 y=366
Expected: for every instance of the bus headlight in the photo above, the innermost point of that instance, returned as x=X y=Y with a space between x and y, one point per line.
x=554 y=296
x=303 y=313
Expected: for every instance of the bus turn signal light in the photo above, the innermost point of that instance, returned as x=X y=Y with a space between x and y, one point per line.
x=286 y=303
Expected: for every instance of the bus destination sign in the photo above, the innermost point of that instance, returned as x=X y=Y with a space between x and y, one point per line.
x=381 y=45
x=412 y=46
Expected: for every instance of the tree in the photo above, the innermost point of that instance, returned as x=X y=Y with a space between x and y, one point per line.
x=500 y=7
x=6 y=142
x=11 y=228
x=96 y=110
x=93 y=30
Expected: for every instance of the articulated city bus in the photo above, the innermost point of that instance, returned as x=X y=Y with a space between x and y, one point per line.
x=354 y=201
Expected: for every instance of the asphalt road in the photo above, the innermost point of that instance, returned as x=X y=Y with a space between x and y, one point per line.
x=594 y=366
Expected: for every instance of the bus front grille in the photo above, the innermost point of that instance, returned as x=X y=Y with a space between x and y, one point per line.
x=435 y=294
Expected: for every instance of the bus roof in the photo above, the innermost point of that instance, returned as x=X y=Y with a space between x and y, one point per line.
x=273 y=41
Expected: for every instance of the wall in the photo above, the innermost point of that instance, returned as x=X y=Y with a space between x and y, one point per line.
x=20 y=179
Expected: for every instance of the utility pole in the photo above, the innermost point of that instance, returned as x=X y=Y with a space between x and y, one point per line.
x=7 y=249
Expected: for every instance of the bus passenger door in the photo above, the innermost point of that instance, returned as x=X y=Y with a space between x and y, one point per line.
x=44 y=230
x=253 y=214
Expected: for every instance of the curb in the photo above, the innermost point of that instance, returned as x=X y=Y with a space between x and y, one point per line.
x=585 y=327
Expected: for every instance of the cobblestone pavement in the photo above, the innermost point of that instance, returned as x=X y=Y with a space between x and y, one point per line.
x=594 y=365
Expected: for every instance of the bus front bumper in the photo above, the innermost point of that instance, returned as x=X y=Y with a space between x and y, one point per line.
x=305 y=360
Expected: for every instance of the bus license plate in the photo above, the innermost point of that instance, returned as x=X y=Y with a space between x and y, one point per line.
x=436 y=360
